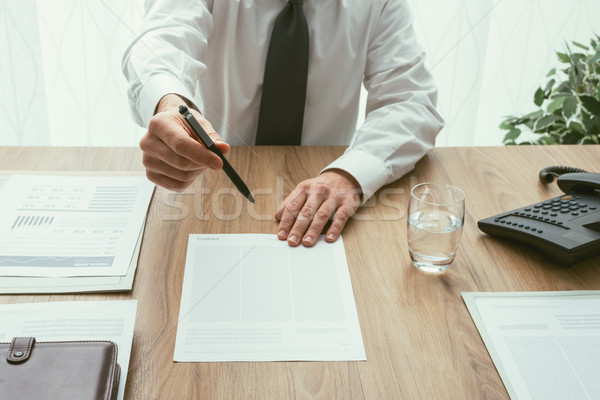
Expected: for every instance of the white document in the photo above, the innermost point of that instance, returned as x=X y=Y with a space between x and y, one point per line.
x=74 y=320
x=545 y=345
x=73 y=284
x=252 y=297
x=71 y=225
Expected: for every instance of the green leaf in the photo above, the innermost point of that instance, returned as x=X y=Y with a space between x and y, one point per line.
x=551 y=72
x=562 y=57
x=576 y=127
x=547 y=140
x=571 y=137
x=564 y=88
x=569 y=107
x=533 y=115
x=548 y=89
x=555 y=104
x=512 y=135
x=588 y=140
x=507 y=124
x=578 y=58
x=590 y=104
x=538 y=97
x=543 y=122
x=596 y=57
x=528 y=119
x=589 y=124
x=581 y=46
x=555 y=95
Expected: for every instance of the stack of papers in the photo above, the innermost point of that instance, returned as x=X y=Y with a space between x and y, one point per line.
x=73 y=320
x=71 y=233
x=545 y=345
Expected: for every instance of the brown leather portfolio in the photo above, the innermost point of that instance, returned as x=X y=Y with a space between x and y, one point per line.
x=59 y=370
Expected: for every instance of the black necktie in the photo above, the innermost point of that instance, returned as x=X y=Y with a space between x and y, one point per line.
x=284 y=83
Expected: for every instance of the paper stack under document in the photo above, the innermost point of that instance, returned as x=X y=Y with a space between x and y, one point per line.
x=73 y=320
x=545 y=345
x=71 y=233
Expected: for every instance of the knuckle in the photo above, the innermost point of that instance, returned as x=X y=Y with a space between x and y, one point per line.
x=294 y=206
x=316 y=227
x=146 y=160
x=318 y=187
x=151 y=177
x=305 y=183
x=154 y=123
x=146 y=143
x=323 y=213
x=342 y=214
x=176 y=186
x=336 y=226
x=179 y=144
x=285 y=224
x=307 y=212
x=181 y=164
x=186 y=176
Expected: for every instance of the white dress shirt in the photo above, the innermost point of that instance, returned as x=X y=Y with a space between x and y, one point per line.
x=213 y=53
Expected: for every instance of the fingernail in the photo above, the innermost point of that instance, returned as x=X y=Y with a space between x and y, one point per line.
x=282 y=233
x=308 y=239
x=293 y=239
x=331 y=236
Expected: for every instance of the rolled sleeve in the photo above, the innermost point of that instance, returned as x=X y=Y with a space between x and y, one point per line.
x=368 y=170
x=157 y=87
x=401 y=123
x=167 y=57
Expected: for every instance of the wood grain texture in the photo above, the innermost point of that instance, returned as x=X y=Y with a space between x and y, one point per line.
x=419 y=337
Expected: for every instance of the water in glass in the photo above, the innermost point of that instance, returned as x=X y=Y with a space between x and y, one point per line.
x=433 y=237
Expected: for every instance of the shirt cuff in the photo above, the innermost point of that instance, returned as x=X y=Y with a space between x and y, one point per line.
x=368 y=170
x=155 y=89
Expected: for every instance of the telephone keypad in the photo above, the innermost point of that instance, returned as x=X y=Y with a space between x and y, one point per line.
x=554 y=212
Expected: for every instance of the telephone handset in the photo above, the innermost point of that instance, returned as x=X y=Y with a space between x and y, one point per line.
x=566 y=228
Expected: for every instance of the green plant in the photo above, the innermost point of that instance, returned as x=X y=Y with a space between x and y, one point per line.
x=569 y=105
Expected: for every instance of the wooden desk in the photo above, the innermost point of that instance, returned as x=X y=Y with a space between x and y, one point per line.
x=419 y=337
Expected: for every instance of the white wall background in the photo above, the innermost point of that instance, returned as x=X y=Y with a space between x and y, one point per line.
x=61 y=83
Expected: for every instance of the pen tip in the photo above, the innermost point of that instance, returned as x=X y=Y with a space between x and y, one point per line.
x=182 y=109
x=251 y=198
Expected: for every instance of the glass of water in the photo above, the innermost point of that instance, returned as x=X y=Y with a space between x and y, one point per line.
x=436 y=212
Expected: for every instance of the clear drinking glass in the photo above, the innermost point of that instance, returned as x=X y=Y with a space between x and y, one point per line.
x=436 y=213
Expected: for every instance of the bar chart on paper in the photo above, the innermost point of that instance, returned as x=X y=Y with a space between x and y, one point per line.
x=70 y=225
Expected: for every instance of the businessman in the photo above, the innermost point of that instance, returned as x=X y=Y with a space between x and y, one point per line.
x=285 y=72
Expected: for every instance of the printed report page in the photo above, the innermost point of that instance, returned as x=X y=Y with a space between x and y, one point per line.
x=251 y=297
x=71 y=225
x=545 y=345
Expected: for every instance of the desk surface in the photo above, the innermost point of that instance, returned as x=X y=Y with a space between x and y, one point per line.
x=419 y=337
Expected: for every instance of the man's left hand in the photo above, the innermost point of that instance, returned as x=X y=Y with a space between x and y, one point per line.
x=334 y=195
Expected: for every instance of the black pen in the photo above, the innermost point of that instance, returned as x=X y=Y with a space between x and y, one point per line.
x=210 y=145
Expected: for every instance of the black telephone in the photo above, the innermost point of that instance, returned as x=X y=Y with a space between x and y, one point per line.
x=566 y=228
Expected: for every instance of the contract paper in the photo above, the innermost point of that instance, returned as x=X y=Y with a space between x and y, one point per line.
x=71 y=225
x=545 y=345
x=77 y=320
x=252 y=297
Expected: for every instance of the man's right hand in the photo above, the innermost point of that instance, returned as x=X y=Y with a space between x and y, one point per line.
x=172 y=154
